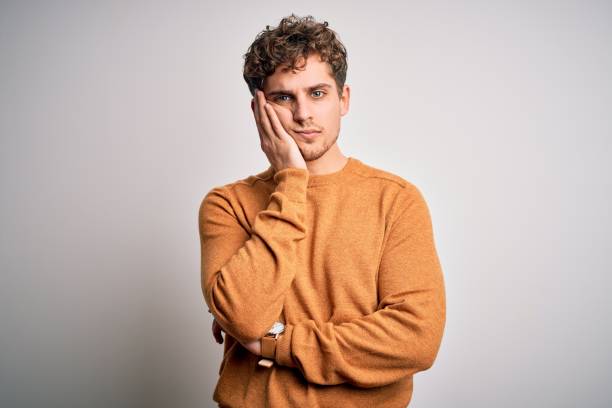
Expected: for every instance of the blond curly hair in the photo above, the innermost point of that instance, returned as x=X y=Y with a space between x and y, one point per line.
x=294 y=37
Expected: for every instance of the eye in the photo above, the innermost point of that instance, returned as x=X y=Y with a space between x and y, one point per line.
x=321 y=92
x=279 y=98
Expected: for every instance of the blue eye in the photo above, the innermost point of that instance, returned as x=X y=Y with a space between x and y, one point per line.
x=279 y=97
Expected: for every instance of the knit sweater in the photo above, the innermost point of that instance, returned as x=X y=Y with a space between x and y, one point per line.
x=347 y=261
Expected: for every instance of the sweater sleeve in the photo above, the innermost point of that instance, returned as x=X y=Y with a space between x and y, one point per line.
x=245 y=277
x=403 y=335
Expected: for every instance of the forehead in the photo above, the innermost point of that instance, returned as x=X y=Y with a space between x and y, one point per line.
x=315 y=71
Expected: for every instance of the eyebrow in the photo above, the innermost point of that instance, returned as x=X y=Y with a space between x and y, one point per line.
x=286 y=92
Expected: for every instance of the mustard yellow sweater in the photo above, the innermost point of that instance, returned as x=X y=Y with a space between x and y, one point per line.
x=347 y=261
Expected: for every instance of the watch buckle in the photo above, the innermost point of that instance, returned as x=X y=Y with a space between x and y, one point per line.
x=264 y=362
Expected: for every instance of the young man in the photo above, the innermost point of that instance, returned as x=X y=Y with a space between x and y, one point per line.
x=321 y=270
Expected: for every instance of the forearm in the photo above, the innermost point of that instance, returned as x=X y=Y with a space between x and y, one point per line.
x=370 y=351
x=245 y=282
x=403 y=335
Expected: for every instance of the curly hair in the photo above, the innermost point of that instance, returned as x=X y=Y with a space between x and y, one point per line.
x=293 y=38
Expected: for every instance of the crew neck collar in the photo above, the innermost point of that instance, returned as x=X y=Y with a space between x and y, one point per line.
x=329 y=178
x=319 y=179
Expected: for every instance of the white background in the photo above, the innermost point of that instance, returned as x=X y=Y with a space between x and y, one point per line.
x=116 y=118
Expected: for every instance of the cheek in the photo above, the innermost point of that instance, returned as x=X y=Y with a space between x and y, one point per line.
x=330 y=123
x=285 y=116
x=328 y=115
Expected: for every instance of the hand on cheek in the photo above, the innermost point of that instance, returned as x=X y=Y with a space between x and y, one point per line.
x=276 y=142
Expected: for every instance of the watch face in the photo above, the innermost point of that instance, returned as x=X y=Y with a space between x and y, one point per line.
x=277 y=328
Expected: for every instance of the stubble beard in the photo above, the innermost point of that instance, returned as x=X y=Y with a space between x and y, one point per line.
x=311 y=153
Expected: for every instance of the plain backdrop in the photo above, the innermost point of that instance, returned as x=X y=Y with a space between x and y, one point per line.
x=117 y=117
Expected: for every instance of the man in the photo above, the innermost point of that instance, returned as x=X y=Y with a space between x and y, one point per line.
x=321 y=270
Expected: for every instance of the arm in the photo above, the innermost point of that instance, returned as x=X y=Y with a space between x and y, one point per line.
x=403 y=335
x=245 y=277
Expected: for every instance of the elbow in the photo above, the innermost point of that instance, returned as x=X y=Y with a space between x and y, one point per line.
x=246 y=317
x=426 y=360
x=429 y=352
x=248 y=329
x=240 y=326
x=239 y=321
x=431 y=340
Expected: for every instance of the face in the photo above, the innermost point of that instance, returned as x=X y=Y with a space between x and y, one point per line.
x=307 y=99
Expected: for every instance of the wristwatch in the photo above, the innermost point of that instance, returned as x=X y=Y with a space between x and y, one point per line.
x=268 y=344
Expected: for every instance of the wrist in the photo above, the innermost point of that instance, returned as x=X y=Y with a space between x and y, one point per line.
x=269 y=344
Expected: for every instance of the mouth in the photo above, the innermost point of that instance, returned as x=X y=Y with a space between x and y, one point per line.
x=308 y=133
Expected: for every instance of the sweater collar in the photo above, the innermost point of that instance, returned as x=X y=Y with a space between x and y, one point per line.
x=321 y=179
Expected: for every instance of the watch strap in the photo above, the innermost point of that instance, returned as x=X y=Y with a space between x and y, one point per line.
x=268 y=346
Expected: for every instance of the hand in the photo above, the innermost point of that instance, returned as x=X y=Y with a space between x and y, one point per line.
x=280 y=148
x=253 y=346
x=217 y=330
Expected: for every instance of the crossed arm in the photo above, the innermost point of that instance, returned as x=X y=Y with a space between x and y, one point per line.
x=245 y=279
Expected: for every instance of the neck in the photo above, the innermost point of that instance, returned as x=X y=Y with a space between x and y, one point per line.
x=332 y=161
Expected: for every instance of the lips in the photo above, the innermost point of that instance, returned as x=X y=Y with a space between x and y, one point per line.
x=308 y=132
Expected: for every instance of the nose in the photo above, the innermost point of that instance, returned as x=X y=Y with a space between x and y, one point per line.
x=301 y=109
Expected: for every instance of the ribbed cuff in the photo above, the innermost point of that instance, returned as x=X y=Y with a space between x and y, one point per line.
x=283 y=347
x=293 y=182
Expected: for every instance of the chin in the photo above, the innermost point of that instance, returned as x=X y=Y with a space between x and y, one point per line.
x=311 y=154
x=315 y=150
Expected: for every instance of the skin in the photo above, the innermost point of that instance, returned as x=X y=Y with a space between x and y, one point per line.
x=303 y=107
x=280 y=115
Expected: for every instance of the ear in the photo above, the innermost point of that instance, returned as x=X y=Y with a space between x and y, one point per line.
x=344 y=100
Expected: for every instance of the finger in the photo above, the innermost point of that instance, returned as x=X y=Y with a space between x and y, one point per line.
x=260 y=129
x=264 y=119
x=217 y=332
x=276 y=123
x=256 y=112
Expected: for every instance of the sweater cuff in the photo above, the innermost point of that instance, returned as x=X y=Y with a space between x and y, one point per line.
x=292 y=182
x=283 y=348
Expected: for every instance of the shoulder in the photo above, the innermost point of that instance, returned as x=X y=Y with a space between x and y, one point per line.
x=385 y=178
x=403 y=198
x=231 y=192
